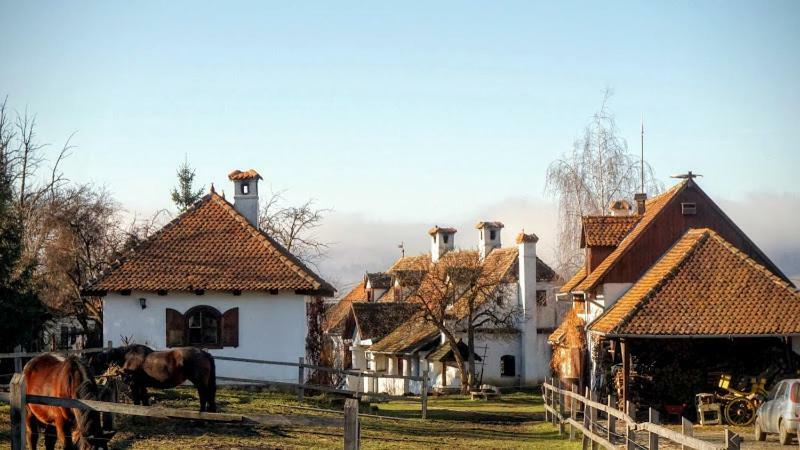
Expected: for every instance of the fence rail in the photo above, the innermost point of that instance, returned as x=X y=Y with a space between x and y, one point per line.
x=300 y=387
x=18 y=400
x=565 y=406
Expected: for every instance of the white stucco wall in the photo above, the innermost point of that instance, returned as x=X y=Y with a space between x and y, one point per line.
x=271 y=327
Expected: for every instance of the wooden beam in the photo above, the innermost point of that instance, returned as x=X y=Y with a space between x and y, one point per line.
x=351 y=425
x=626 y=373
x=17 y=397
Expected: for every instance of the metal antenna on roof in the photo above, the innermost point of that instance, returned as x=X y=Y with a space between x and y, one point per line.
x=642 y=159
x=402 y=249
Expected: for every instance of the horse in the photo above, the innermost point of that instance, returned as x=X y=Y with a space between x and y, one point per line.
x=144 y=367
x=53 y=375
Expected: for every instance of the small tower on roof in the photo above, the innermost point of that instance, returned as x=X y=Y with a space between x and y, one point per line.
x=245 y=197
x=442 y=241
x=488 y=237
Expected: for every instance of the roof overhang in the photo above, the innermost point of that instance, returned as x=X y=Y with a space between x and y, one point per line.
x=690 y=336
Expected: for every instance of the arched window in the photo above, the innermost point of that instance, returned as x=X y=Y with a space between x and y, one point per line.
x=508 y=366
x=203 y=326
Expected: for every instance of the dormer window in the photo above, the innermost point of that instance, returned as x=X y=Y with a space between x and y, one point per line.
x=245 y=188
x=688 y=209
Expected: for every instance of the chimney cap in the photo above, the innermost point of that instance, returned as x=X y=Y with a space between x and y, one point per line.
x=436 y=229
x=527 y=237
x=481 y=225
x=238 y=175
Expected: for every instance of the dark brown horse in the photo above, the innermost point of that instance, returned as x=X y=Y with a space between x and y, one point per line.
x=54 y=375
x=143 y=367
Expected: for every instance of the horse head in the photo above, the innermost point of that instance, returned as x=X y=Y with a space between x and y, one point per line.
x=88 y=434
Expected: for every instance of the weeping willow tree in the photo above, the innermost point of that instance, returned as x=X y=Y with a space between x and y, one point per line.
x=598 y=170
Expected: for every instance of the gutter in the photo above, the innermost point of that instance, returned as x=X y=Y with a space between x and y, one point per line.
x=692 y=336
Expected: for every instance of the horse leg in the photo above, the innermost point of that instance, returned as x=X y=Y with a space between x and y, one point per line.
x=50 y=437
x=31 y=430
x=64 y=433
x=143 y=395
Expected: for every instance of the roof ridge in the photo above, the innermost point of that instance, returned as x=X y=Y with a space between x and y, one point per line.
x=621 y=249
x=753 y=263
x=128 y=254
x=274 y=247
x=702 y=236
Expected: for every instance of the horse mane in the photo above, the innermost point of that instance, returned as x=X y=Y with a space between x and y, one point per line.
x=87 y=421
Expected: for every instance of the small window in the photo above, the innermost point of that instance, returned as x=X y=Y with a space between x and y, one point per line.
x=203 y=323
x=245 y=188
x=492 y=235
x=446 y=238
x=541 y=298
x=688 y=209
x=508 y=366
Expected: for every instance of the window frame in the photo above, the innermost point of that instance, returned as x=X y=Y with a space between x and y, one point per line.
x=200 y=309
x=505 y=366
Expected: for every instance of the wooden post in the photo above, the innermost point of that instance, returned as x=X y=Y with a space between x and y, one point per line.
x=593 y=418
x=301 y=372
x=732 y=440
x=561 y=412
x=573 y=412
x=630 y=437
x=544 y=400
x=586 y=439
x=612 y=421
x=17 y=397
x=110 y=345
x=626 y=373
x=424 y=393
x=652 y=437
x=18 y=360
x=687 y=429
x=112 y=396
x=351 y=425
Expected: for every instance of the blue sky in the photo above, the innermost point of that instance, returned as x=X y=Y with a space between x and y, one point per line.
x=405 y=112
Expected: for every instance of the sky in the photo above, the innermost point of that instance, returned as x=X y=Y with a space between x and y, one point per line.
x=399 y=116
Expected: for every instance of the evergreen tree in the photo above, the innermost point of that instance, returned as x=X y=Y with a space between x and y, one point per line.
x=183 y=195
x=20 y=306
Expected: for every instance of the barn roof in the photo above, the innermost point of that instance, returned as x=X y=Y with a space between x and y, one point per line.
x=336 y=315
x=704 y=286
x=376 y=320
x=210 y=247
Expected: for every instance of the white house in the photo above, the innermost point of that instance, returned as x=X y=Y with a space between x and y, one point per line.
x=212 y=279
x=516 y=355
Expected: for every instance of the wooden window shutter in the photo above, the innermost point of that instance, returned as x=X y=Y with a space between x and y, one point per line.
x=230 y=328
x=176 y=330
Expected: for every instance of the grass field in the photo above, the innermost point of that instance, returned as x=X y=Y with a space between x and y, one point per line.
x=514 y=421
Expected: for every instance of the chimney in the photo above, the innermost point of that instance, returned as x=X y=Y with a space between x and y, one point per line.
x=245 y=197
x=533 y=366
x=640 y=202
x=442 y=241
x=620 y=208
x=488 y=237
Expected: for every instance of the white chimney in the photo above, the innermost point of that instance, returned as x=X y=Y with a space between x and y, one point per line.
x=245 y=197
x=488 y=237
x=533 y=365
x=442 y=241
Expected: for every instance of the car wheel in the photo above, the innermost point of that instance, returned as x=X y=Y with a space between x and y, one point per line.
x=758 y=432
x=783 y=434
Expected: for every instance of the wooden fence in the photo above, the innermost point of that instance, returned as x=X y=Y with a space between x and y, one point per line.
x=604 y=425
x=18 y=399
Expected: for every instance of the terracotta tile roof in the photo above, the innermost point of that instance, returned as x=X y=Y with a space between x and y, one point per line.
x=210 y=247
x=437 y=229
x=409 y=263
x=376 y=320
x=336 y=315
x=579 y=276
x=407 y=337
x=527 y=237
x=379 y=280
x=444 y=353
x=237 y=175
x=481 y=225
x=704 y=286
x=606 y=231
x=652 y=209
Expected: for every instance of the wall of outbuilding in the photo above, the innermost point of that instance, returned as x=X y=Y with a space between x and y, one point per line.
x=271 y=327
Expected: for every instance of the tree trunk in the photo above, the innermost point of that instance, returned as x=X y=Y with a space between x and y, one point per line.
x=462 y=365
x=471 y=355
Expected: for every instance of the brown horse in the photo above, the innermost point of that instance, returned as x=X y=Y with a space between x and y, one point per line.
x=54 y=375
x=143 y=367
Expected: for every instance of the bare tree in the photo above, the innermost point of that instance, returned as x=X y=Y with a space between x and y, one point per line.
x=294 y=227
x=598 y=170
x=462 y=294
